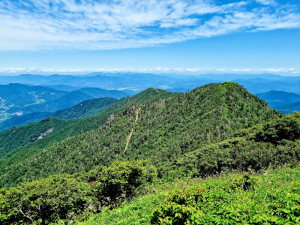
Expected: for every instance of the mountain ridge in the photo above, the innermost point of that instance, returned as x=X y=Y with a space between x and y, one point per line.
x=18 y=139
x=208 y=114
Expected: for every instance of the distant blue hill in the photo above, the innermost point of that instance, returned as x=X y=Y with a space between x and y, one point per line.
x=276 y=98
x=83 y=109
x=67 y=100
x=19 y=100
x=64 y=87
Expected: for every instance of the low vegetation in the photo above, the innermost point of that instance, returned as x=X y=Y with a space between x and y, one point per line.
x=65 y=198
x=270 y=197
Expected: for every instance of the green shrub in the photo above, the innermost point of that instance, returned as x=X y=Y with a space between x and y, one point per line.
x=181 y=207
x=286 y=128
x=244 y=181
x=122 y=179
x=69 y=198
x=234 y=199
x=45 y=200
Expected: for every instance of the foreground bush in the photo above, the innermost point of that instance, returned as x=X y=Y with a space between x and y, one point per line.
x=241 y=199
x=73 y=197
x=271 y=197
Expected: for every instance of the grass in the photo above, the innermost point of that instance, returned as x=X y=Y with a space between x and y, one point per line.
x=137 y=211
x=271 y=197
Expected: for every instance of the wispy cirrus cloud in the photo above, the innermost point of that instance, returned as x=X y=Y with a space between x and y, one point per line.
x=267 y=2
x=101 y=25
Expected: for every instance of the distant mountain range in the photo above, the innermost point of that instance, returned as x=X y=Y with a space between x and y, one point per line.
x=20 y=99
x=83 y=109
x=60 y=92
x=132 y=83
x=276 y=98
x=126 y=81
x=23 y=119
x=16 y=96
x=282 y=101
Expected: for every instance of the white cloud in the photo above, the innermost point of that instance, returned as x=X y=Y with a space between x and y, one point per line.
x=266 y=2
x=96 y=25
x=242 y=70
x=278 y=70
x=159 y=70
x=197 y=70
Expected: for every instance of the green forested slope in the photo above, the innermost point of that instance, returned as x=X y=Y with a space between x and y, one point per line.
x=259 y=196
x=85 y=109
x=18 y=139
x=274 y=143
x=165 y=129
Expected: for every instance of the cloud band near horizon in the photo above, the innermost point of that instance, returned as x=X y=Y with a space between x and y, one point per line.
x=17 y=71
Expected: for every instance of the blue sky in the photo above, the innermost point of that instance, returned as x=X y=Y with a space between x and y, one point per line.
x=81 y=36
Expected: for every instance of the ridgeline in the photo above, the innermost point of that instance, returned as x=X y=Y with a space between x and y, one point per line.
x=19 y=139
x=166 y=129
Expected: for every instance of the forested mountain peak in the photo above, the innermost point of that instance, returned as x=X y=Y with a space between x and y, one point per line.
x=158 y=130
